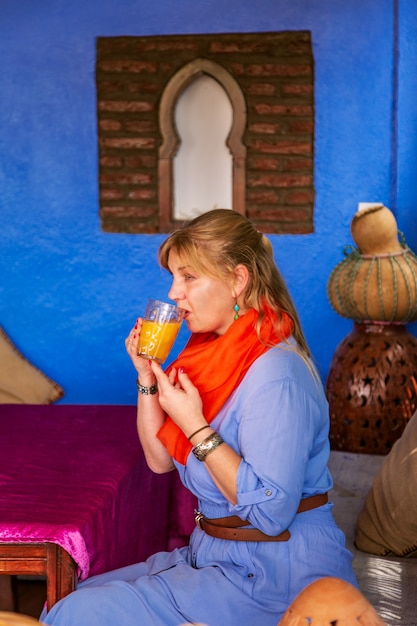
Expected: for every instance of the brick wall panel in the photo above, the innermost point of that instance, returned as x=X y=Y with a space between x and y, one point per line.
x=275 y=72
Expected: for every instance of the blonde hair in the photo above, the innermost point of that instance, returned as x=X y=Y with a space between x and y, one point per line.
x=219 y=240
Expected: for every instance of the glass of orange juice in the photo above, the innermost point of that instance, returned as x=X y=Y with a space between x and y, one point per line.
x=160 y=326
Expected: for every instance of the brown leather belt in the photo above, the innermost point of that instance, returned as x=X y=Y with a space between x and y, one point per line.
x=230 y=527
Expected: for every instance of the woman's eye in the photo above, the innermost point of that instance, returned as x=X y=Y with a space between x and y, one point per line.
x=188 y=277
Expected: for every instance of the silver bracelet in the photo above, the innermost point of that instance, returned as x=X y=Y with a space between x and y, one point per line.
x=146 y=390
x=203 y=449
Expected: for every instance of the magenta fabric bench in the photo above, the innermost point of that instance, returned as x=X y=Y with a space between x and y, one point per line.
x=76 y=496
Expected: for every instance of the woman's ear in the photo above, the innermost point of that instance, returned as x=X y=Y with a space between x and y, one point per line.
x=240 y=280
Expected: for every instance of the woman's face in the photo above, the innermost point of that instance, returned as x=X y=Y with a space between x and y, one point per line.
x=208 y=302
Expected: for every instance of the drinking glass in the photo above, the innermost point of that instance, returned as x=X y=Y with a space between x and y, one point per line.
x=160 y=327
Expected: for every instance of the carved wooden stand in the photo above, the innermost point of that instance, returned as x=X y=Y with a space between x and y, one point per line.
x=367 y=387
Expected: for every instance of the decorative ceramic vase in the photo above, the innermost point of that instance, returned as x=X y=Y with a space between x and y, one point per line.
x=330 y=601
x=16 y=619
x=374 y=229
x=368 y=387
x=370 y=372
x=377 y=281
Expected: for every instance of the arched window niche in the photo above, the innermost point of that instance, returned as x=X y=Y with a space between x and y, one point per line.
x=203 y=163
x=266 y=83
x=171 y=139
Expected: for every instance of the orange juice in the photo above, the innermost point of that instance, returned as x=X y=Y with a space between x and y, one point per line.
x=157 y=338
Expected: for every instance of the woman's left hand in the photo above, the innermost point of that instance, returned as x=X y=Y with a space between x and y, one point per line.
x=178 y=397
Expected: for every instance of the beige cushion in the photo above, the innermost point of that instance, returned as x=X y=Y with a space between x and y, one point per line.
x=20 y=381
x=387 y=525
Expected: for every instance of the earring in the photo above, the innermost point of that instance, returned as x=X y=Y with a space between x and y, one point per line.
x=236 y=309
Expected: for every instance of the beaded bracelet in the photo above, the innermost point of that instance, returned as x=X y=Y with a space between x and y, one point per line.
x=146 y=390
x=203 y=449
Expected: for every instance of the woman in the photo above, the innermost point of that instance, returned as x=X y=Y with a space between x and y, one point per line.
x=242 y=416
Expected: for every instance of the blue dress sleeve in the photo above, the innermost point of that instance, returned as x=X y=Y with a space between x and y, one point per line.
x=278 y=423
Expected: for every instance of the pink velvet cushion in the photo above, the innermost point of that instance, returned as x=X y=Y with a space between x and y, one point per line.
x=20 y=381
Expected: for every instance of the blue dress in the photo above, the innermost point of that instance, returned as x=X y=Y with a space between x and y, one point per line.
x=277 y=420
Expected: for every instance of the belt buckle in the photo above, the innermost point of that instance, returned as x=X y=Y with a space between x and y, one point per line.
x=198 y=516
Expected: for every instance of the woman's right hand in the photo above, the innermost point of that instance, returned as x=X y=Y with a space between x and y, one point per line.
x=141 y=365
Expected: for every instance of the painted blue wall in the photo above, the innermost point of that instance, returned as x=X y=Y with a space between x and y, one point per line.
x=69 y=292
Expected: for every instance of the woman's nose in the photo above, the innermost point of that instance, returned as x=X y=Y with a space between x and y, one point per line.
x=175 y=293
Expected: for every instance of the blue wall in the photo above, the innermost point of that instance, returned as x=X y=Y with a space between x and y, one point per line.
x=69 y=292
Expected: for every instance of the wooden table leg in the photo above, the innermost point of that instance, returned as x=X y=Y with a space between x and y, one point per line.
x=7 y=596
x=61 y=574
x=41 y=559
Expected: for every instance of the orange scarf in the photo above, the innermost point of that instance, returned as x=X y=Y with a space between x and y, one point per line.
x=217 y=364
